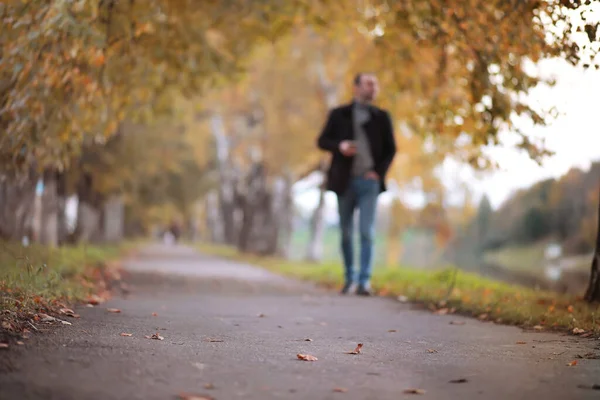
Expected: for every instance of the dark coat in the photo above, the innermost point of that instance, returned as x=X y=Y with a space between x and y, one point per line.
x=339 y=127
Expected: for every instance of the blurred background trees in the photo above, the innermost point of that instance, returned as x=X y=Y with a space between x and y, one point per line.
x=121 y=117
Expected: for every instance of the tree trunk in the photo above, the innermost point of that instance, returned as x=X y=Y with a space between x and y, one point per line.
x=593 y=291
x=89 y=212
x=113 y=219
x=17 y=198
x=61 y=191
x=214 y=222
x=49 y=211
x=317 y=224
x=286 y=218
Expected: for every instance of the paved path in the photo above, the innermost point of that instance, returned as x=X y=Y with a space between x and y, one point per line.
x=260 y=322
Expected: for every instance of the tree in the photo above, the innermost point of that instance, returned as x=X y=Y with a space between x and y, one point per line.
x=592 y=293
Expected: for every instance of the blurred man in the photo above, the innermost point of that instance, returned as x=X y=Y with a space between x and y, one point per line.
x=360 y=137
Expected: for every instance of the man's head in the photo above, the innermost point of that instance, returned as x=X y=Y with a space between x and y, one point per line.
x=366 y=87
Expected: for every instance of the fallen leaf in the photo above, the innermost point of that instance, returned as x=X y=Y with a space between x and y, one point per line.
x=457 y=322
x=3 y=345
x=482 y=317
x=356 y=350
x=402 y=299
x=589 y=356
x=213 y=340
x=95 y=300
x=261 y=315
x=538 y=328
x=306 y=357
x=66 y=323
x=126 y=334
x=441 y=311
x=572 y=363
x=414 y=391
x=46 y=318
x=340 y=390
x=595 y=386
x=113 y=310
x=460 y=380
x=68 y=312
x=190 y=396
x=20 y=343
x=156 y=336
x=308 y=340
x=209 y=386
x=570 y=309
x=578 y=331
x=521 y=342
x=432 y=351
x=392 y=330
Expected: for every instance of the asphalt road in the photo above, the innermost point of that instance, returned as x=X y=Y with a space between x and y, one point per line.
x=233 y=331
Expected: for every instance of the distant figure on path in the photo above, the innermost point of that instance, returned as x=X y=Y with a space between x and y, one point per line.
x=361 y=138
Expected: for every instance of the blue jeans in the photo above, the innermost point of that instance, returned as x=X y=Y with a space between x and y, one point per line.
x=362 y=193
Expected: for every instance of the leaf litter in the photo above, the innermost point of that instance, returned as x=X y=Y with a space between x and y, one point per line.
x=414 y=391
x=306 y=357
x=356 y=350
x=113 y=310
x=156 y=336
x=190 y=396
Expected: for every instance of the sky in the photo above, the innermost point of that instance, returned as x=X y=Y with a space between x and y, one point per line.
x=574 y=137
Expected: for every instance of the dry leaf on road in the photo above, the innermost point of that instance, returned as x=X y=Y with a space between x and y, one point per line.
x=20 y=343
x=521 y=342
x=213 y=340
x=306 y=357
x=432 y=351
x=113 y=310
x=190 y=396
x=578 y=331
x=457 y=322
x=538 y=328
x=572 y=363
x=356 y=350
x=46 y=318
x=3 y=345
x=441 y=311
x=68 y=312
x=340 y=390
x=595 y=386
x=261 y=315
x=209 y=386
x=154 y=314
x=156 y=336
x=461 y=380
x=414 y=391
x=392 y=330
x=589 y=356
x=126 y=334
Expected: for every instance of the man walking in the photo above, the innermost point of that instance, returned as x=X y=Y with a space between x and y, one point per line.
x=360 y=137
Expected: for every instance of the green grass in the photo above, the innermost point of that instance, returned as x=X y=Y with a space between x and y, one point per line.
x=471 y=295
x=37 y=276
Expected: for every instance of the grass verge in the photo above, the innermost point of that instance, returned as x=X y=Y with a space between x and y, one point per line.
x=37 y=279
x=449 y=291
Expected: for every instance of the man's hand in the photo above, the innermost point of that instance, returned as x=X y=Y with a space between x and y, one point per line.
x=348 y=148
x=372 y=175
